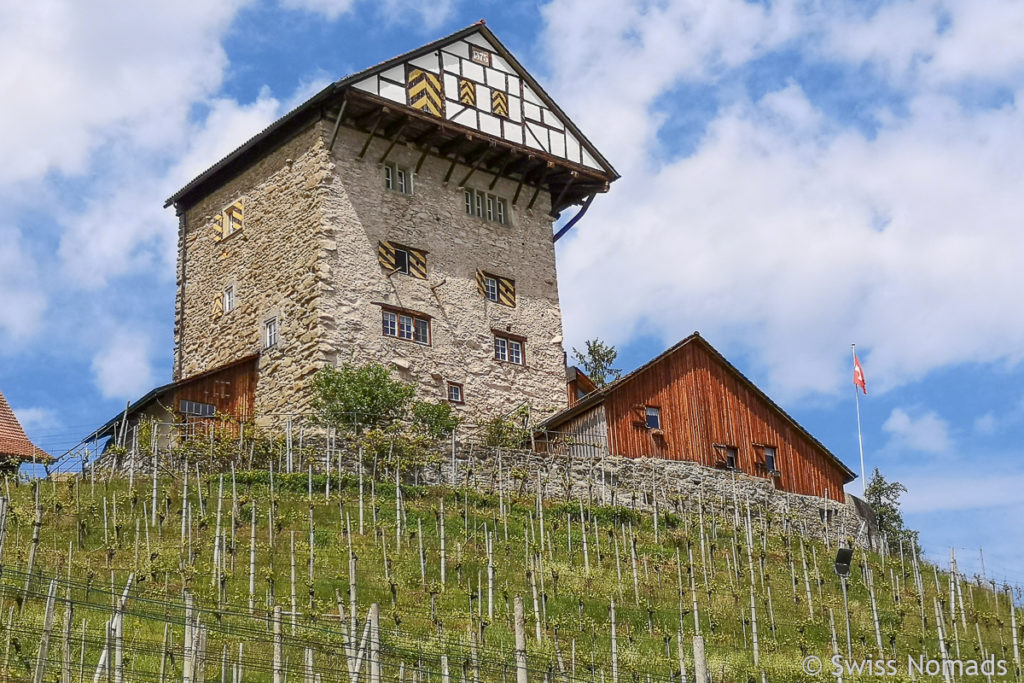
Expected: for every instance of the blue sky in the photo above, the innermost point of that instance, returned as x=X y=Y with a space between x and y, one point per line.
x=797 y=176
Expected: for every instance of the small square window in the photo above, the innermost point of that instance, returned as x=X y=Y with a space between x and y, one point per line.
x=491 y=288
x=652 y=415
x=500 y=348
x=455 y=392
x=270 y=333
x=769 y=459
x=515 y=352
x=731 y=457
x=397 y=179
x=229 y=299
x=402 y=261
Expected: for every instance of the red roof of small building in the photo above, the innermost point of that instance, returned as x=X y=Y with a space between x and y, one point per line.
x=13 y=441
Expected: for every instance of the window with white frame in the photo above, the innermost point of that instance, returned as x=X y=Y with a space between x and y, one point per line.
x=406 y=326
x=270 y=333
x=652 y=417
x=455 y=393
x=508 y=350
x=397 y=179
x=490 y=288
x=228 y=298
x=486 y=206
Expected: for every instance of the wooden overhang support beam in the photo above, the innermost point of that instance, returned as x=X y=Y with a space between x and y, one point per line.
x=394 y=139
x=555 y=210
x=540 y=183
x=453 y=145
x=486 y=148
x=337 y=123
x=575 y=219
x=373 y=131
x=522 y=177
x=509 y=158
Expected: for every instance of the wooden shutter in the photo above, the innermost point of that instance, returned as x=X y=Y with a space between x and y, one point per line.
x=425 y=91
x=417 y=263
x=233 y=217
x=386 y=255
x=218 y=227
x=218 y=306
x=506 y=291
x=481 y=286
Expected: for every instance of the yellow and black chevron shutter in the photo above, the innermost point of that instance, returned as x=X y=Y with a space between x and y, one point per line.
x=386 y=255
x=499 y=103
x=506 y=287
x=218 y=227
x=416 y=259
x=467 y=92
x=233 y=217
x=218 y=306
x=425 y=91
x=506 y=291
x=417 y=263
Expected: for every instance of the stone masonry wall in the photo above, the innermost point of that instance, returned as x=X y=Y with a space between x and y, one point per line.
x=272 y=264
x=679 y=486
x=361 y=212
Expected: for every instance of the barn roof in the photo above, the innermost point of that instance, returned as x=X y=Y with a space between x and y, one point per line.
x=370 y=91
x=597 y=397
x=13 y=441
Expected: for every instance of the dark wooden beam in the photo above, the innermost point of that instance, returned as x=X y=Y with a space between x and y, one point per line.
x=508 y=158
x=369 y=137
x=556 y=205
x=372 y=115
x=476 y=164
x=454 y=144
x=394 y=139
x=540 y=183
x=337 y=123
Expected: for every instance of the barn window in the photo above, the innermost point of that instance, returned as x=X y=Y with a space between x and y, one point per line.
x=652 y=415
x=731 y=457
x=769 y=459
x=196 y=409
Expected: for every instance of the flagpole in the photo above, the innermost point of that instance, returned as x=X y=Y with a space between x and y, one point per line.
x=860 y=437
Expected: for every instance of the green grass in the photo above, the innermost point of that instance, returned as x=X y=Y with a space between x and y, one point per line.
x=419 y=622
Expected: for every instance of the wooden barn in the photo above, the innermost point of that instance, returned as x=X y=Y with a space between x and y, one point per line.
x=222 y=396
x=690 y=403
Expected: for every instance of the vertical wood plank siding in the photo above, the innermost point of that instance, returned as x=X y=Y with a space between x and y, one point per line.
x=231 y=390
x=703 y=403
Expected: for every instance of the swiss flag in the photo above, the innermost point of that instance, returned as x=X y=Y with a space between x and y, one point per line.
x=858 y=375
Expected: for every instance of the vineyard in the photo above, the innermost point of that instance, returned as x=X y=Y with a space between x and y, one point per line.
x=226 y=571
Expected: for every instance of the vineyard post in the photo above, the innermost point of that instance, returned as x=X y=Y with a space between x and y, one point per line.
x=520 y=635
x=374 y=618
x=278 y=667
x=44 y=643
x=615 y=644
x=700 y=662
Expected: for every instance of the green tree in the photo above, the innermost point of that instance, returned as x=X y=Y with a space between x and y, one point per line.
x=597 y=361
x=884 y=498
x=360 y=396
x=436 y=420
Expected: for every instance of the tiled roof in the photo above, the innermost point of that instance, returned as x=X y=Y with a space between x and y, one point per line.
x=13 y=442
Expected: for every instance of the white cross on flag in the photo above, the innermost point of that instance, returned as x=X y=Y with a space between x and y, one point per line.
x=858 y=376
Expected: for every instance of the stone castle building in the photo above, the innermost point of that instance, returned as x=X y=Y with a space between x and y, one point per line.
x=403 y=215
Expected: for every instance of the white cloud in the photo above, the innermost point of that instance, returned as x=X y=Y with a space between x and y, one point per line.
x=21 y=294
x=122 y=368
x=89 y=73
x=429 y=15
x=787 y=234
x=986 y=424
x=32 y=418
x=926 y=433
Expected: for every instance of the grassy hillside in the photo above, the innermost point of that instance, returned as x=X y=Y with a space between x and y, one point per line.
x=94 y=534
